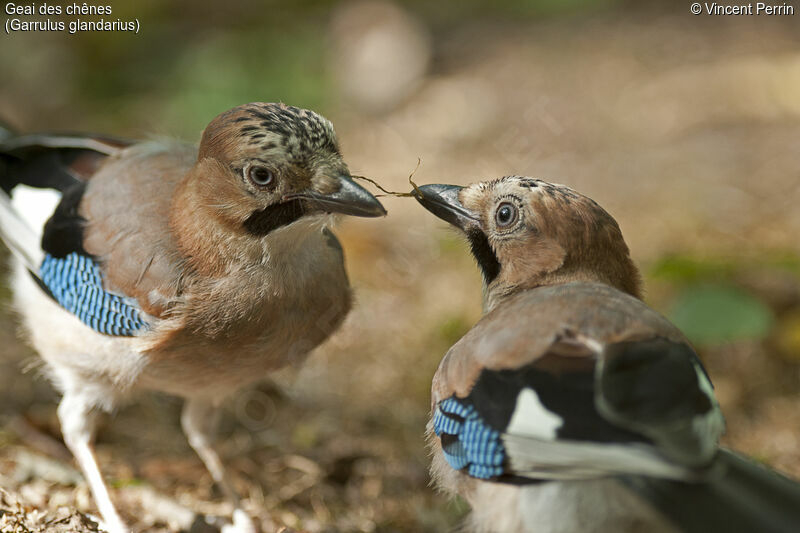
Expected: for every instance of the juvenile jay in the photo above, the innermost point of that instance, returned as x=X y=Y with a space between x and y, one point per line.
x=165 y=266
x=571 y=406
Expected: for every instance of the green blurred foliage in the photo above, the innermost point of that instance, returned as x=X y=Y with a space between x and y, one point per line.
x=683 y=269
x=677 y=268
x=246 y=66
x=715 y=314
x=708 y=298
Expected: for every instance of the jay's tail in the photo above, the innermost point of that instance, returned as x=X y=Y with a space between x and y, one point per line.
x=739 y=496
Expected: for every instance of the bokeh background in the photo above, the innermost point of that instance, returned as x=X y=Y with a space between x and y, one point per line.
x=683 y=127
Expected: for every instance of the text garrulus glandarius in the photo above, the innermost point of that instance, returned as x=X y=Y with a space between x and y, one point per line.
x=572 y=406
x=160 y=265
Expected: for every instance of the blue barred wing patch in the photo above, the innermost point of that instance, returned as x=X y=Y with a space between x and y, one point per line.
x=467 y=441
x=76 y=284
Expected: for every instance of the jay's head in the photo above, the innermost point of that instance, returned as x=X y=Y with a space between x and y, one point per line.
x=265 y=166
x=526 y=233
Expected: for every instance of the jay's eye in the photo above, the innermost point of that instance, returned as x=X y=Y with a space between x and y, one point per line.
x=505 y=215
x=260 y=176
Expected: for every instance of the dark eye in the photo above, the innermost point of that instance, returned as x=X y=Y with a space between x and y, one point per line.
x=260 y=176
x=505 y=215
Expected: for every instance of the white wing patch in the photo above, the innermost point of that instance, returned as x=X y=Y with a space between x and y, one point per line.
x=35 y=206
x=545 y=459
x=534 y=450
x=22 y=220
x=532 y=419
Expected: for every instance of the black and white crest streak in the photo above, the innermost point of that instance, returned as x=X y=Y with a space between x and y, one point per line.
x=299 y=131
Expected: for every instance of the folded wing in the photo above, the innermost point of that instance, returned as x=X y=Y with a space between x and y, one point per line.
x=43 y=180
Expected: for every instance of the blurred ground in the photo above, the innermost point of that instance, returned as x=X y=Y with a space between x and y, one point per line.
x=683 y=127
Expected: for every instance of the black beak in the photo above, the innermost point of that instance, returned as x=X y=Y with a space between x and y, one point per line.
x=442 y=200
x=350 y=199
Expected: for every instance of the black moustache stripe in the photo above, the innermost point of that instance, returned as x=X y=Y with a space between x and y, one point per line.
x=267 y=220
x=484 y=255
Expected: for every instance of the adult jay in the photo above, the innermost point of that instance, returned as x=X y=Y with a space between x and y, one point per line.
x=166 y=266
x=571 y=405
